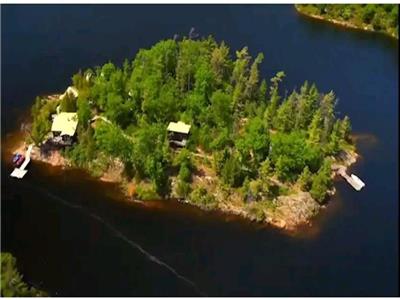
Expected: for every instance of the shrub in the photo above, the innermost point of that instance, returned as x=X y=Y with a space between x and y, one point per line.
x=219 y=159
x=202 y=198
x=147 y=192
x=183 y=189
x=257 y=211
x=185 y=174
x=232 y=173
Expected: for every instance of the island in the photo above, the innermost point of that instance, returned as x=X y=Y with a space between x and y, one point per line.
x=370 y=17
x=185 y=121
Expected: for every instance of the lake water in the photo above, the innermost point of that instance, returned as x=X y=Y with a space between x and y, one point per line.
x=75 y=236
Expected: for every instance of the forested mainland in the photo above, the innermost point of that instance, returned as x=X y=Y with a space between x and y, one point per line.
x=372 y=17
x=253 y=149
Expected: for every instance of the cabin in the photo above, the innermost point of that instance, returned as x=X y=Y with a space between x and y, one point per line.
x=63 y=128
x=178 y=133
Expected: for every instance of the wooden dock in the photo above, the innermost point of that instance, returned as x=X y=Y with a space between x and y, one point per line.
x=20 y=172
x=353 y=180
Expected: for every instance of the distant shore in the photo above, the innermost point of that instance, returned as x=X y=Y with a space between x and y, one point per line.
x=342 y=23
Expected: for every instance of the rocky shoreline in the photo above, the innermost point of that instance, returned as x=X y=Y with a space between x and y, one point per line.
x=290 y=211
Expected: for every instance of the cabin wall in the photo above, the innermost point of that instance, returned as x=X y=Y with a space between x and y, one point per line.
x=177 y=136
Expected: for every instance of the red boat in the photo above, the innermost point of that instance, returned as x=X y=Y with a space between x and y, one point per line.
x=18 y=159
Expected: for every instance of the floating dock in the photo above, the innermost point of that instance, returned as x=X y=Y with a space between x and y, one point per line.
x=353 y=180
x=20 y=172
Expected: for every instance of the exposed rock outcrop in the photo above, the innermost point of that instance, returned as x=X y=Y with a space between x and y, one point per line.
x=293 y=210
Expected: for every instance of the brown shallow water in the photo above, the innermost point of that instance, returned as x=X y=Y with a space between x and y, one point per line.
x=13 y=141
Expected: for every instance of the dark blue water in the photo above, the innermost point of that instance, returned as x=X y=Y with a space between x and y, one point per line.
x=74 y=236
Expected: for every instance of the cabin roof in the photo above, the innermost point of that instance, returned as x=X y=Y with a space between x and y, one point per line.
x=66 y=122
x=179 y=127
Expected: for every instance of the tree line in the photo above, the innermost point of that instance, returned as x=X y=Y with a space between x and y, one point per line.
x=381 y=17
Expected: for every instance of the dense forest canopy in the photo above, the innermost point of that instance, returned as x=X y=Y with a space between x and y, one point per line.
x=241 y=122
x=380 y=17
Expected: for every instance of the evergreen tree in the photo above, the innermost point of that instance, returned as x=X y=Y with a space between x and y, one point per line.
x=191 y=54
x=239 y=77
x=231 y=172
x=305 y=179
x=221 y=108
x=241 y=66
x=314 y=130
x=271 y=110
x=283 y=168
x=262 y=92
x=220 y=63
x=265 y=170
x=126 y=68
x=252 y=82
x=84 y=112
x=40 y=127
x=204 y=80
x=345 y=129
x=78 y=81
x=156 y=169
x=254 y=144
x=327 y=106
x=284 y=120
x=308 y=103
x=335 y=139
x=322 y=182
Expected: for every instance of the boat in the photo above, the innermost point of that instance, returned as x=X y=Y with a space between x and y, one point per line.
x=18 y=159
x=21 y=162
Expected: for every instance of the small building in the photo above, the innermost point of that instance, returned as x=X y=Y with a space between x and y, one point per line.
x=64 y=128
x=178 y=133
